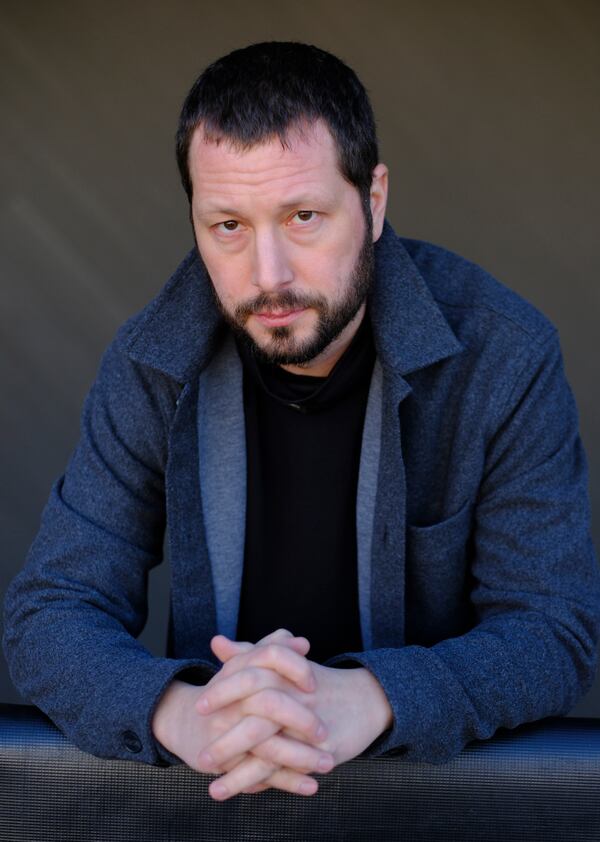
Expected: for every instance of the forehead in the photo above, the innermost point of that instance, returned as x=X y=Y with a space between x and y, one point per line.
x=308 y=158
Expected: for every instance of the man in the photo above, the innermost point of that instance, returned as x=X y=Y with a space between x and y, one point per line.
x=364 y=439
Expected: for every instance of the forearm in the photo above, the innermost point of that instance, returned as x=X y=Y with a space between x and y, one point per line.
x=71 y=648
x=510 y=670
x=523 y=564
x=96 y=684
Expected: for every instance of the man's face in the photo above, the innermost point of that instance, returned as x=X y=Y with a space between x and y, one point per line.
x=284 y=239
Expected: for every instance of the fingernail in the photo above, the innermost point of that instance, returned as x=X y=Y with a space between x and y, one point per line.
x=325 y=763
x=321 y=732
x=218 y=790
x=308 y=788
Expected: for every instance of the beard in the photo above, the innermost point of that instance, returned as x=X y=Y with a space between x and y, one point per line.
x=283 y=347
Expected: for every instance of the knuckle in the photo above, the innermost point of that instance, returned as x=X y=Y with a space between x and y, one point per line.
x=225 y=670
x=199 y=766
x=280 y=779
x=307 y=672
x=272 y=652
x=270 y=701
x=279 y=653
x=254 y=728
x=311 y=725
x=276 y=752
x=269 y=769
x=250 y=680
x=219 y=724
x=259 y=768
x=309 y=701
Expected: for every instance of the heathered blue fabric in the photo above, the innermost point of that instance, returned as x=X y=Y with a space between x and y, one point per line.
x=483 y=590
x=222 y=478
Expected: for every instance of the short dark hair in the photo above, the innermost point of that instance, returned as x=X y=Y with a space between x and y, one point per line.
x=262 y=91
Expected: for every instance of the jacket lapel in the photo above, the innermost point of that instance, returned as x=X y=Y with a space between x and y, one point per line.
x=192 y=620
x=222 y=467
x=410 y=333
x=177 y=332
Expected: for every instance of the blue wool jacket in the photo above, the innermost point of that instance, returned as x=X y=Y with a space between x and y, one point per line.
x=479 y=590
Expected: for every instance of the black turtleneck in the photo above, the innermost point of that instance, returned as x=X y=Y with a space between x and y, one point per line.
x=303 y=439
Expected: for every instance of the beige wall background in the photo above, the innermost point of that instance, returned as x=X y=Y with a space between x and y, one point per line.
x=488 y=117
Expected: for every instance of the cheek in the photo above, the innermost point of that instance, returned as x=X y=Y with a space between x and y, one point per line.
x=321 y=267
x=228 y=289
x=335 y=261
x=218 y=265
x=328 y=274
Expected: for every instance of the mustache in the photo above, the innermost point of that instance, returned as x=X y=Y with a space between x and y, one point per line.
x=285 y=300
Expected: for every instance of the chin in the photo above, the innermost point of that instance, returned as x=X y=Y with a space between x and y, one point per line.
x=282 y=347
x=288 y=340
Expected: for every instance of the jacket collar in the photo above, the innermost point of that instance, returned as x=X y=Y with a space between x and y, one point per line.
x=409 y=328
x=179 y=329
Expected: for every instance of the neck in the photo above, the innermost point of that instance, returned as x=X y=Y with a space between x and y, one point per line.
x=322 y=365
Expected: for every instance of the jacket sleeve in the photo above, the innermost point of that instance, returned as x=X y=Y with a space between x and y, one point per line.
x=536 y=592
x=73 y=613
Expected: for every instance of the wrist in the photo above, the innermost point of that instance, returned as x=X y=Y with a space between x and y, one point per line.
x=377 y=704
x=172 y=713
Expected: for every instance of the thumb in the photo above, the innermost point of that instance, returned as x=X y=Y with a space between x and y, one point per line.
x=286 y=638
x=224 y=648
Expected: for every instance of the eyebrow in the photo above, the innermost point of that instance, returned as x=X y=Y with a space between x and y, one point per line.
x=301 y=202
x=218 y=210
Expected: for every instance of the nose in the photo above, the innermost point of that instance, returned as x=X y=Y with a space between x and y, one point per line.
x=272 y=270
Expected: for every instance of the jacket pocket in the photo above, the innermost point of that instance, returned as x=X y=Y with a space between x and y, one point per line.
x=438 y=579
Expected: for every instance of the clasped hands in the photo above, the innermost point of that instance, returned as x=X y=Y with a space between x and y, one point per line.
x=270 y=717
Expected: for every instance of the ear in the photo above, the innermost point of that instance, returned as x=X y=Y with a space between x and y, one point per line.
x=378 y=196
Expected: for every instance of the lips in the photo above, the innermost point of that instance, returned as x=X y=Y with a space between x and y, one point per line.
x=279 y=318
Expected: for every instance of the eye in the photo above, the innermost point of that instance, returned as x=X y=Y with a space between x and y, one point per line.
x=229 y=226
x=304 y=216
